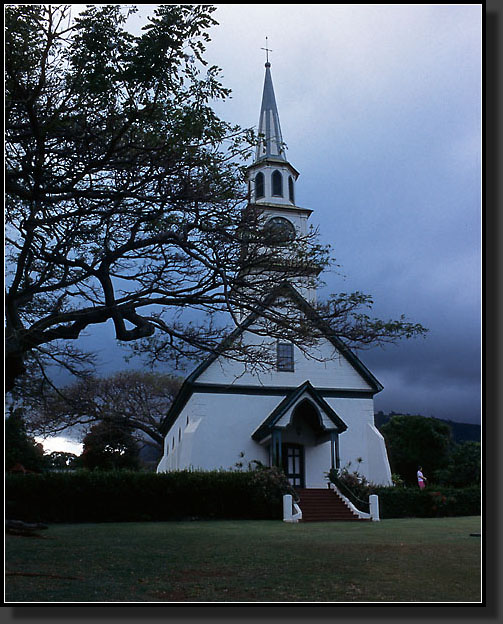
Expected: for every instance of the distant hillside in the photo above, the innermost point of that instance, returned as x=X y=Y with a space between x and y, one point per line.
x=461 y=432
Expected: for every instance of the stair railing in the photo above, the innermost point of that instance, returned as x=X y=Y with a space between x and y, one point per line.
x=371 y=506
x=349 y=494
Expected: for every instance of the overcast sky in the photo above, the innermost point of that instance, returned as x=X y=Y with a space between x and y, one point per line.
x=380 y=108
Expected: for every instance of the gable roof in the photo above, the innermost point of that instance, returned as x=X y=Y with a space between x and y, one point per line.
x=304 y=389
x=285 y=289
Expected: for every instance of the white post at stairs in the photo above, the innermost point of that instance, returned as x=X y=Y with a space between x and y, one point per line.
x=288 y=508
x=374 y=507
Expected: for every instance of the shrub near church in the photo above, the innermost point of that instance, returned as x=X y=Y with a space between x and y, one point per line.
x=97 y=496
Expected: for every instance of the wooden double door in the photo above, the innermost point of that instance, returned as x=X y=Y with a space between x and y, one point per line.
x=293 y=463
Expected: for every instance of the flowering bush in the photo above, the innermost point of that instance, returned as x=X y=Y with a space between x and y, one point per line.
x=397 y=480
x=271 y=482
x=355 y=482
x=441 y=502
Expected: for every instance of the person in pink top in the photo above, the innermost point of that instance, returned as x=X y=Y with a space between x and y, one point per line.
x=421 y=478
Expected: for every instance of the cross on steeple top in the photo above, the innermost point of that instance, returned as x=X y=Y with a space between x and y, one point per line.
x=267 y=50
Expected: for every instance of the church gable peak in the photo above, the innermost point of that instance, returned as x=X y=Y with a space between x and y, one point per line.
x=279 y=296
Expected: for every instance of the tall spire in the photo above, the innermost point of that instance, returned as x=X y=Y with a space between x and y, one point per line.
x=270 y=142
x=271 y=188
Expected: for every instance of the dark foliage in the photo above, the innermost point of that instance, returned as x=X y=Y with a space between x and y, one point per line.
x=429 y=503
x=414 y=441
x=108 y=446
x=133 y=400
x=409 y=502
x=125 y=191
x=59 y=460
x=19 y=447
x=463 y=468
x=461 y=432
x=96 y=496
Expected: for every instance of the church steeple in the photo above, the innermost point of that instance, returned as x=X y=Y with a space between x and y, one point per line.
x=271 y=186
x=272 y=178
x=270 y=142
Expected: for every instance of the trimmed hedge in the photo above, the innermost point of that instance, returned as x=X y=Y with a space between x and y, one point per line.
x=126 y=496
x=432 y=502
x=410 y=502
x=95 y=496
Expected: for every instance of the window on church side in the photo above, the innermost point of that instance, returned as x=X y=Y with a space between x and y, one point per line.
x=285 y=357
x=290 y=189
x=259 y=185
x=277 y=183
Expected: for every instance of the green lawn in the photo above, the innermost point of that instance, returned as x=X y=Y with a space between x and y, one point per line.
x=406 y=560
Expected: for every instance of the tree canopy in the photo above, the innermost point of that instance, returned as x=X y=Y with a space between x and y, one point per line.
x=108 y=446
x=414 y=441
x=125 y=199
x=135 y=401
x=463 y=467
x=20 y=448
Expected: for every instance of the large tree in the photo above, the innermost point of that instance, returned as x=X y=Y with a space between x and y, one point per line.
x=463 y=467
x=20 y=448
x=109 y=447
x=125 y=194
x=134 y=401
x=414 y=441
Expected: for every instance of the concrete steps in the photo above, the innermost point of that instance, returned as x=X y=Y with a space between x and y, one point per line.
x=324 y=505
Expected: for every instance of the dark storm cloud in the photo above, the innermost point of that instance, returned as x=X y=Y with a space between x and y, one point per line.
x=439 y=375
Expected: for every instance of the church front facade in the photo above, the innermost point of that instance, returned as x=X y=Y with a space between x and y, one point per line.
x=310 y=412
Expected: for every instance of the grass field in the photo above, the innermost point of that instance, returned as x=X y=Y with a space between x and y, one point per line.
x=406 y=560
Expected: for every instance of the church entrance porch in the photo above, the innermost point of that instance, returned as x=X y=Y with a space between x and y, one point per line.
x=302 y=436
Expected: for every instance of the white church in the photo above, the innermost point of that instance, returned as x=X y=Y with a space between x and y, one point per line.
x=307 y=414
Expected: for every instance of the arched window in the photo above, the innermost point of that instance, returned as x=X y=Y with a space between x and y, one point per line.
x=259 y=185
x=277 y=183
x=290 y=190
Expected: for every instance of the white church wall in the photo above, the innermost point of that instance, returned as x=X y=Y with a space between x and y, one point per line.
x=361 y=440
x=378 y=464
x=221 y=429
x=214 y=429
x=327 y=368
